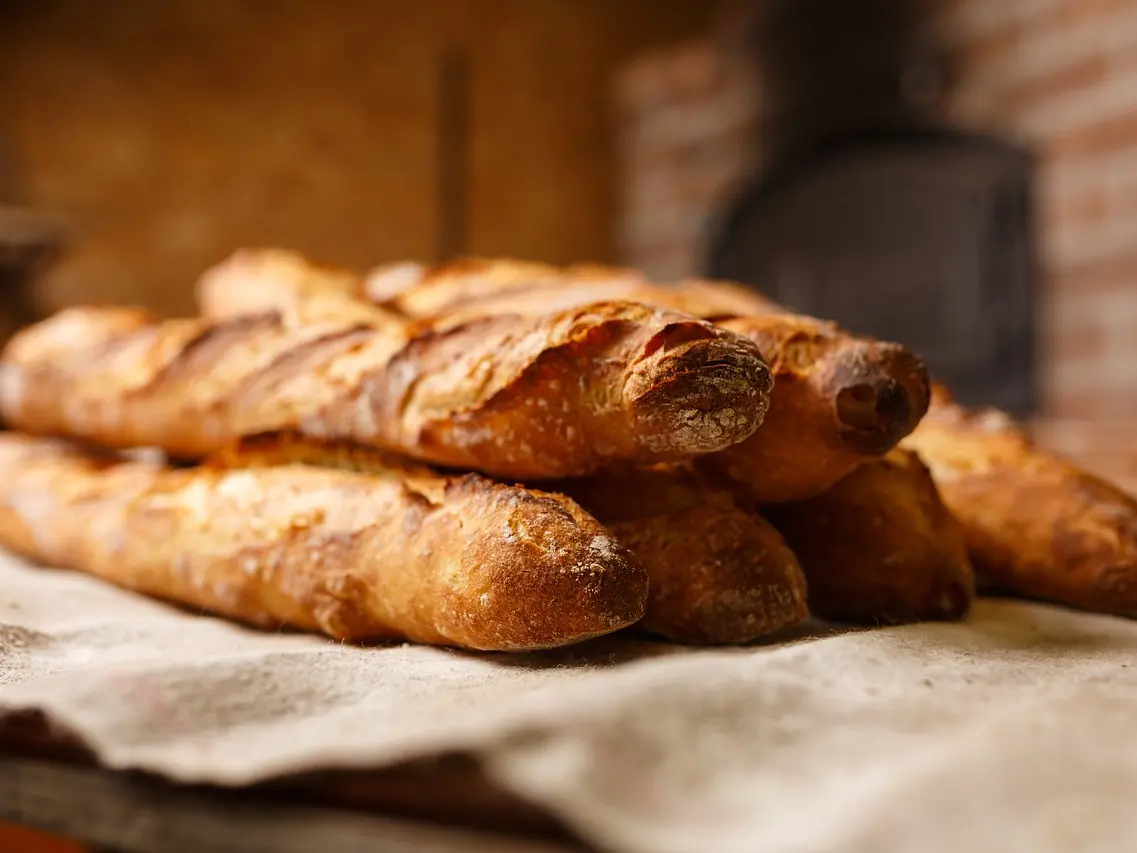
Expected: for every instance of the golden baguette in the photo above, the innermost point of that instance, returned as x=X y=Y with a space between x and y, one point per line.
x=718 y=574
x=525 y=397
x=256 y=281
x=1036 y=525
x=837 y=401
x=463 y=562
x=497 y=285
x=492 y=285
x=880 y=547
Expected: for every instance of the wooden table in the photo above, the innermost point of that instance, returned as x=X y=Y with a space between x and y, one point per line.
x=445 y=806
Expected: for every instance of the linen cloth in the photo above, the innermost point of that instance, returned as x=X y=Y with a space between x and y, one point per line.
x=1016 y=730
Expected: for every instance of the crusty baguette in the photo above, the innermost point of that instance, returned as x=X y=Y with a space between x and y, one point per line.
x=1036 y=525
x=256 y=281
x=423 y=292
x=719 y=574
x=526 y=397
x=880 y=547
x=837 y=401
x=463 y=562
x=478 y=286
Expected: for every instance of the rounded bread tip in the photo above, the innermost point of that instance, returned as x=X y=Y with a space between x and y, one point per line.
x=774 y=597
x=700 y=396
x=545 y=575
x=751 y=613
x=882 y=394
x=954 y=601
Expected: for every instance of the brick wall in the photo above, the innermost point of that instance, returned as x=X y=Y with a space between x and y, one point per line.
x=1059 y=75
x=686 y=122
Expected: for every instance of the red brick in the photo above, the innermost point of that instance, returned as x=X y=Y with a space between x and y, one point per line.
x=1113 y=96
x=694 y=71
x=1074 y=342
x=1093 y=138
x=1093 y=397
x=1075 y=76
x=1104 y=276
x=1074 y=403
x=1085 y=208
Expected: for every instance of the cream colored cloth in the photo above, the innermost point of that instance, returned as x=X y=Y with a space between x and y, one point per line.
x=1014 y=732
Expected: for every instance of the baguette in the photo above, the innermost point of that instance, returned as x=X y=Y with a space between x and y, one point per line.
x=462 y=562
x=523 y=397
x=473 y=287
x=257 y=281
x=491 y=284
x=1036 y=525
x=838 y=400
x=718 y=574
x=880 y=547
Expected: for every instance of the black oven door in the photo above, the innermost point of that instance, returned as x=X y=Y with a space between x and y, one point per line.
x=924 y=238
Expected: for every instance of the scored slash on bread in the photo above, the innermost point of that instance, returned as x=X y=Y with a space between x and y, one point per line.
x=455 y=561
x=718 y=572
x=554 y=395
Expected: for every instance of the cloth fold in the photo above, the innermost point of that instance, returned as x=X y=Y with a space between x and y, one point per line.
x=1012 y=731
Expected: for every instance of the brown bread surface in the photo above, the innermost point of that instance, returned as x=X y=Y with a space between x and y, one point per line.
x=462 y=562
x=837 y=400
x=1037 y=526
x=880 y=547
x=719 y=573
x=256 y=281
x=553 y=395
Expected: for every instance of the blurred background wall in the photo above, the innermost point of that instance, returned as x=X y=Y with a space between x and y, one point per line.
x=170 y=133
x=1057 y=76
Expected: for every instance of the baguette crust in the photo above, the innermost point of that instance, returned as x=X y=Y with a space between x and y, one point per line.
x=880 y=547
x=837 y=401
x=258 y=281
x=719 y=574
x=526 y=397
x=463 y=562
x=1036 y=525
x=496 y=285
x=423 y=292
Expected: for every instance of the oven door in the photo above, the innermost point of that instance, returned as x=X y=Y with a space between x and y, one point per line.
x=924 y=238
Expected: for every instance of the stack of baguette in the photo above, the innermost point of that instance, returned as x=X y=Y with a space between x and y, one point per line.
x=508 y=456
